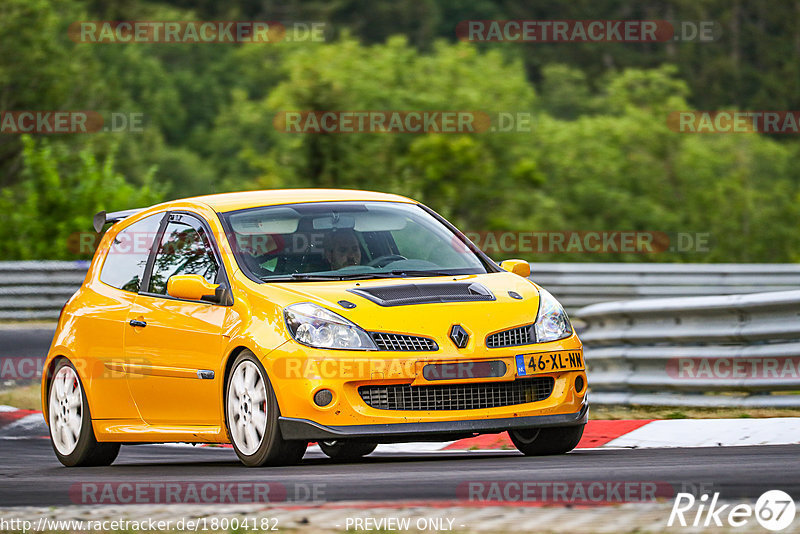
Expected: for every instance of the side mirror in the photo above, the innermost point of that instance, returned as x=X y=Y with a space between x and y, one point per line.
x=195 y=287
x=519 y=267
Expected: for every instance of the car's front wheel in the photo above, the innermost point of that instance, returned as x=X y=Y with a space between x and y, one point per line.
x=251 y=415
x=346 y=450
x=547 y=441
x=70 y=421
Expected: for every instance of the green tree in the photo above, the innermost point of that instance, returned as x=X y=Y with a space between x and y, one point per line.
x=45 y=215
x=40 y=68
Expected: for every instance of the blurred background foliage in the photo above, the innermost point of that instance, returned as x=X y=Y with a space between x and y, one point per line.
x=599 y=155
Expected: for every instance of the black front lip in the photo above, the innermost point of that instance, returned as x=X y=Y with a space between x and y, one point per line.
x=304 y=429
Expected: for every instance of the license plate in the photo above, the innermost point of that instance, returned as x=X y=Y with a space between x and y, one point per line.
x=548 y=362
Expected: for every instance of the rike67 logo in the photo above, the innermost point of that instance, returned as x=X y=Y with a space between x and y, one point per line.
x=774 y=510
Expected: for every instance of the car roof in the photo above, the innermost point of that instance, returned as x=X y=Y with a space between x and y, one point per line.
x=249 y=199
x=224 y=202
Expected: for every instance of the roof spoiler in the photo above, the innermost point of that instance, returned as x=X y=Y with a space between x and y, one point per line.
x=102 y=218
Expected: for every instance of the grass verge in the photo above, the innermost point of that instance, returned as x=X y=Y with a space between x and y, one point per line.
x=23 y=397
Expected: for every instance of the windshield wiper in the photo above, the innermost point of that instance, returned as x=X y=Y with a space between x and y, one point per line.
x=327 y=277
x=365 y=276
x=398 y=273
x=312 y=276
x=412 y=272
x=299 y=277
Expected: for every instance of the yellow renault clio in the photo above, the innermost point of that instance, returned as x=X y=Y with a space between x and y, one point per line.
x=271 y=319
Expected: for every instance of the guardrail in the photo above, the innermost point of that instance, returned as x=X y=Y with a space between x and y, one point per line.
x=647 y=351
x=36 y=290
x=580 y=284
x=734 y=351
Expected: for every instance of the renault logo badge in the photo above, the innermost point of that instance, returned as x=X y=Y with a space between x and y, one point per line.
x=459 y=336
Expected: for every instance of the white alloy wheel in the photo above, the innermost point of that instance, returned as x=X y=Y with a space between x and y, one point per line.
x=247 y=407
x=66 y=410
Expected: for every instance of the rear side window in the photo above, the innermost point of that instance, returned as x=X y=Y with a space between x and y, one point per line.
x=127 y=256
x=185 y=249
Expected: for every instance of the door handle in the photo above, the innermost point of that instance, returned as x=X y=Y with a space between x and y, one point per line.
x=141 y=324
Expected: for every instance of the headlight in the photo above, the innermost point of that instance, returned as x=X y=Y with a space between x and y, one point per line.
x=315 y=326
x=552 y=322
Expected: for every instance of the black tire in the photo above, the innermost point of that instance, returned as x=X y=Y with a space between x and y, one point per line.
x=87 y=450
x=346 y=450
x=273 y=450
x=547 y=441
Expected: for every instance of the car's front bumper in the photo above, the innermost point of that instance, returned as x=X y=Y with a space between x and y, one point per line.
x=303 y=429
x=298 y=373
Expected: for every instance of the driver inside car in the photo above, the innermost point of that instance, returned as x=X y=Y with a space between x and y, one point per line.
x=342 y=249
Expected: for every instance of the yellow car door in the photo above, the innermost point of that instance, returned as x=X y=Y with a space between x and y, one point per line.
x=173 y=346
x=108 y=304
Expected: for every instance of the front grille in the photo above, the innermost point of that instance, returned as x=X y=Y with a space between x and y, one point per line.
x=522 y=335
x=385 y=341
x=406 y=294
x=475 y=396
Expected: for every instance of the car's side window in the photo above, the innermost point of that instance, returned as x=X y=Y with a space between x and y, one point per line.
x=127 y=256
x=185 y=249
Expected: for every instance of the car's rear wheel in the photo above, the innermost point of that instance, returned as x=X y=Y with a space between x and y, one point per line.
x=547 y=441
x=70 y=421
x=346 y=450
x=251 y=415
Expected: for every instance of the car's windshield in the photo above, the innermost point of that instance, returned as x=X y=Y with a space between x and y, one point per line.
x=335 y=241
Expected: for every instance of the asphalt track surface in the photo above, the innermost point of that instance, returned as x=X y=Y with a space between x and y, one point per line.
x=30 y=475
x=19 y=342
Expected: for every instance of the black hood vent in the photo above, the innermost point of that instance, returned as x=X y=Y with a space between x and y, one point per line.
x=406 y=294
